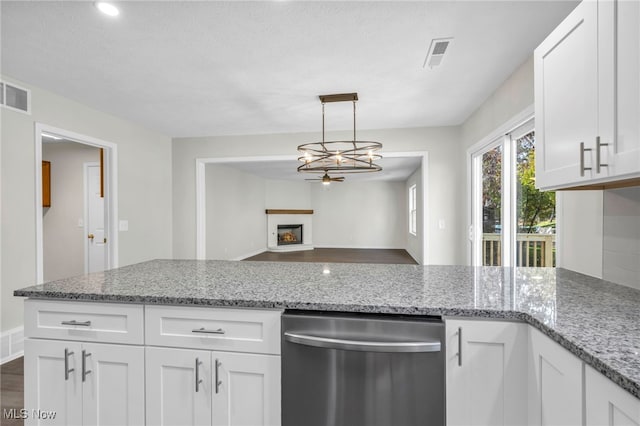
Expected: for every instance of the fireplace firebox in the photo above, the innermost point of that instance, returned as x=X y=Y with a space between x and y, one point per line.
x=289 y=234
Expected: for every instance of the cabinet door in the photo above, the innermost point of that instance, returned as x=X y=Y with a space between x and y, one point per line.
x=607 y=403
x=178 y=386
x=555 y=380
x=248 y=392
x=486 y=373
x=113 y=385
x=47 y=388
x=626 y=149
x=566 y=98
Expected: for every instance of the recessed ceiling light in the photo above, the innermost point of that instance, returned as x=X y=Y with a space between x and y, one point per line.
x=107 y=8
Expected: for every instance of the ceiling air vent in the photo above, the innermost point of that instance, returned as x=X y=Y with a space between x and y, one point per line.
x=437 y=50
x=15 y=98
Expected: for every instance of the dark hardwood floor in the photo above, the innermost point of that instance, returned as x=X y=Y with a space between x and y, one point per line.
x=338 y=255
x=11 y=390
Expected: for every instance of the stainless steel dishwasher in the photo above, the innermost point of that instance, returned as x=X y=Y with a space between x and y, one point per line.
x=343 y=369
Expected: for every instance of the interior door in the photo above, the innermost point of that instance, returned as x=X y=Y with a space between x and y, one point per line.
x=96 y=253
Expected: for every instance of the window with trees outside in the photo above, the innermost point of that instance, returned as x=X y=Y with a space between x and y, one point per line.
x=517 y=221
x=413 y=202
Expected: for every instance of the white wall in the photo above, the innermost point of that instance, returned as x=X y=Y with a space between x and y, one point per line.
x=287 y=194
x=512 y=97
x=144 y=199
x=414 y=242
x=359 y=214
x=63 y=240
x=445 y=178
x=579 y=231
x=349 y=214
x=236 y=222
x=621 y=243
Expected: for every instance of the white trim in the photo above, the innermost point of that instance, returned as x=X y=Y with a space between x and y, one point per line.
x=250 y=254
x=511 y=124
x=14 y=340
x=200 y=184
x=348 y=246
x=110 y=189
x=85 y=201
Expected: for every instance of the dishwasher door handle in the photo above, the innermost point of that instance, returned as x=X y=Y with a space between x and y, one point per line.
x=362 y=345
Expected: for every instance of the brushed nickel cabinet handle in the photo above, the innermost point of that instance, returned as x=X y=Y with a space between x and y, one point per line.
x=198 y=379
x=582 y=151
x=85 y=372
x=459 y=347
x=67 y=370
x=218 y=381
x=74 y=322
x=205 y=331
x=599 y=163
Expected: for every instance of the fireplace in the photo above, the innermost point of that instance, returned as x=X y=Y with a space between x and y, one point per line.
x=289 y=234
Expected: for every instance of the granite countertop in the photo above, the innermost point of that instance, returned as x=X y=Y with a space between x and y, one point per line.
x=596 y=320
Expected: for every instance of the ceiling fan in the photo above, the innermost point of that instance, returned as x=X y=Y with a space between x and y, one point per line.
x=326 y=179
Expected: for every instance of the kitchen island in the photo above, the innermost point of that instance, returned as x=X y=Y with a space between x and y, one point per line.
x=539 y=343
x=596 y=320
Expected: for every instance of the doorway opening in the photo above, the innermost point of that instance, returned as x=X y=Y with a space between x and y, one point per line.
x=76 y=204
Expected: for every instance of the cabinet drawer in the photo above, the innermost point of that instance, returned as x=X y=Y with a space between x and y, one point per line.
x=238 y=330
x=84 y=321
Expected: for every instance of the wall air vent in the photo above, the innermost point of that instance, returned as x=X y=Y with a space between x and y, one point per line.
x=15 y=98
x=436 y=52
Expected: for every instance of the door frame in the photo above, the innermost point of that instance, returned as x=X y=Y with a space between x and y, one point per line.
x=201 y=193
x=110 y=192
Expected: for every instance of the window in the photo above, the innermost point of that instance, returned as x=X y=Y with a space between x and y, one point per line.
x=413 y=202
x=514 y=223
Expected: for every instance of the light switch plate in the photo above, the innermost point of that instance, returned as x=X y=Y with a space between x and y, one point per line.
x=123 y=225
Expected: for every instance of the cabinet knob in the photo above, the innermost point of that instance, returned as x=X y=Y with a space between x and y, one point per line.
x=91 y=236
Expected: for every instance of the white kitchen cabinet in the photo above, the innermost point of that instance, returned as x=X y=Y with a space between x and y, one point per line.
x=607 y=404
x=566 y=98
x=625 y=151
x=225 y=388
x=486 y=373
x=178 y=391
x=587 y=97
x=248 y=392
x=46 y=387
x=106 y=388
x=555 y=383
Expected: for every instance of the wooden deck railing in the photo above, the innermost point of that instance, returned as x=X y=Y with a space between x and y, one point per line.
x=531 y=249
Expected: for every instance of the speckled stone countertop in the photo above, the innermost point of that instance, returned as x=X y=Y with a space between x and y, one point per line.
x=596 y=320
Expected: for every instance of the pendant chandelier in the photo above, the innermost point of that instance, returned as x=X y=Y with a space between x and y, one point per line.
x=340 y=157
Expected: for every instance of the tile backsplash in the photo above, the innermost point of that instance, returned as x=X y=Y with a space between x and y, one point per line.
x=621 y=232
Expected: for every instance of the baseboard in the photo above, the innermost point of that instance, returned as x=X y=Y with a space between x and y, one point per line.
x=338 y=246
x=253 y=253
x=11 y=344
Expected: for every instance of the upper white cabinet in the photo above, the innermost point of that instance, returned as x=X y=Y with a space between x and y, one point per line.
x=486 y=373
x=587 y=97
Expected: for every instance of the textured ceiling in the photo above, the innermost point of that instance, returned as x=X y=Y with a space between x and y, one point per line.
x=214 y=68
